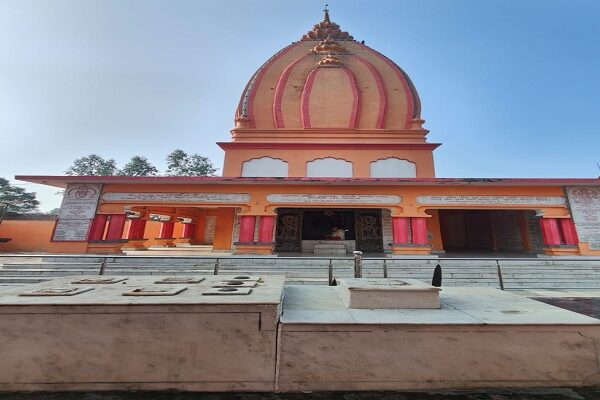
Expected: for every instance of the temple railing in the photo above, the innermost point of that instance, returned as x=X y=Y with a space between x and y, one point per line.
x=498 y=272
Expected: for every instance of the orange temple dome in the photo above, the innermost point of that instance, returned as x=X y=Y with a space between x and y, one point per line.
x=329 y=80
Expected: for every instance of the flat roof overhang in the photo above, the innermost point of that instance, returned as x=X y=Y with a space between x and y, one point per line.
x=63 y=181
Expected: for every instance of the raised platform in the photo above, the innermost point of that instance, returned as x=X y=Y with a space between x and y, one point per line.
x=212 y=336
x=480 y=338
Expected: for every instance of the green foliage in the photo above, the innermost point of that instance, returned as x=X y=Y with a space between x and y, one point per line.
x=18 y=199
x=138 y=166
x=179 y=163
x=92 y=165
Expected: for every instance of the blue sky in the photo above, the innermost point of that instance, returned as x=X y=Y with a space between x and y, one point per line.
x=510 y=87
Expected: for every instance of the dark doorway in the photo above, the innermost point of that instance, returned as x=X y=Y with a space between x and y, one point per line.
x=361 y=225
x=317 y=224
x=508 y=231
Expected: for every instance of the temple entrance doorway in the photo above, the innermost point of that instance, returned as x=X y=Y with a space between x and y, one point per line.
x=490 y=231
x=328 y=231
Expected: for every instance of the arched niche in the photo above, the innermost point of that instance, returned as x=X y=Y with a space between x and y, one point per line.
x=329 y=168
x=393 y=168
x=264 y=167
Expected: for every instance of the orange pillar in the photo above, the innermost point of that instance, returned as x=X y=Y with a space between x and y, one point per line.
x=224 y=228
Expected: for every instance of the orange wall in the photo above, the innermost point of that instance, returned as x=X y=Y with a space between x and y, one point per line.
x=297 y=159
x=26 y=235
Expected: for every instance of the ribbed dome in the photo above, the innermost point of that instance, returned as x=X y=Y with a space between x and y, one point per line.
x=328 y=80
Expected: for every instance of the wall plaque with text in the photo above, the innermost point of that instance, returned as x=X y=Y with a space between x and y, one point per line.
x=585 y=209
x=334 y=198
x=500 y=200
x=77 y=209
x=141 y=197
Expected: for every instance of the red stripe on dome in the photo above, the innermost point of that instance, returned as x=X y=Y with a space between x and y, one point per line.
x=355 y=99
x=280 y=88
x=379 y=124
x=308 y=85
x=403 y=80
x=263 y=70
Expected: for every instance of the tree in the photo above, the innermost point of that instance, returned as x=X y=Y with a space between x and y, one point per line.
x=92 y=165
x=138 y=166
x=179 y=163
x=18 y=199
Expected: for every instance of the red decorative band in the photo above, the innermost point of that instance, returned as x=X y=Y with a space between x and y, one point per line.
x=379 y=124
x=308 y=85
x=407 y=87
x=355 y=98
x=277 y=114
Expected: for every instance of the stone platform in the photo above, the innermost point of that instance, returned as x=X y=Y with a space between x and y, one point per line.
x=480 y=338
x=103 y=340
x=276 y=338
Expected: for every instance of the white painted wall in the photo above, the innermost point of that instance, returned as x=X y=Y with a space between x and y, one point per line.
x=329 y=168
x=265 y=167
x=393 y=168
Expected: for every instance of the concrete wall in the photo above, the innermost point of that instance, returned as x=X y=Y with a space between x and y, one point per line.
x=26 y=235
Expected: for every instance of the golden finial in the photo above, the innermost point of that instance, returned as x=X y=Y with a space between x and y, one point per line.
x=326 y=14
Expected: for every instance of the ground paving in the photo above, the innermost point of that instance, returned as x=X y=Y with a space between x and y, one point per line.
x=538 y=394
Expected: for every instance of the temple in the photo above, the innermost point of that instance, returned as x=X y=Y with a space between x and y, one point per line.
x=328 y=155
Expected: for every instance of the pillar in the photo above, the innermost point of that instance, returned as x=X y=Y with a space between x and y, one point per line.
x=550 y=231
x=247 y=223
x=400 y=230
x=97 y=228
x=136 y=228
x=569 y=233
x=166 y=230
x=265 y=230
x=418 y=227
x=116 y=225
x=189 y=231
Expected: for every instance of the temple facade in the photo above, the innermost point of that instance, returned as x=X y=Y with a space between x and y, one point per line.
x=328 y=155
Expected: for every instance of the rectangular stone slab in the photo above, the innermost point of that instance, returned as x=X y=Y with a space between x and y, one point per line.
x=56 y=291
x=371 y=293
x=219 y=291
x=155 y=291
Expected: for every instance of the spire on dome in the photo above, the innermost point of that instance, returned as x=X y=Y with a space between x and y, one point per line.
x=326 y=29
x=326 y=14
